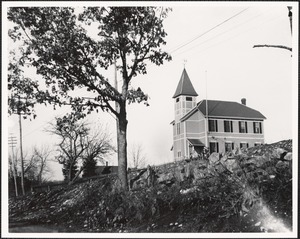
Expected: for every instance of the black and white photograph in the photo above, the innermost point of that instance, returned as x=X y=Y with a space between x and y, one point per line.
x=154 y=119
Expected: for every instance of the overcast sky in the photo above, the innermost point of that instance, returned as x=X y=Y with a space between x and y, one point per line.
x=235 y=70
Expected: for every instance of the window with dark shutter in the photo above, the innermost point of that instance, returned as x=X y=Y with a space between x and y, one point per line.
x=244 y=145
x=229 y=146
x=243 y=127
x=213 y=125
x=260 y=129
x=257 y=128
x=213 y=147
x=228 y=126
x=178 y=128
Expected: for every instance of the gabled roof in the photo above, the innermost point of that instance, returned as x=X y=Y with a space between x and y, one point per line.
x=185 y=86
x=225 y=109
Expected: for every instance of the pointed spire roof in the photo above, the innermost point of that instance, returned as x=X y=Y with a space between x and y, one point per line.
x=185 y=86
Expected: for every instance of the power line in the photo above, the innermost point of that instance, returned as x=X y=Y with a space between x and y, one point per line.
x=197 y=37
x=201 y=43
x=222 y=41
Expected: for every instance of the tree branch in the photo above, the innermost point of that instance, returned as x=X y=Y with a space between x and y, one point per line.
x=275 y=46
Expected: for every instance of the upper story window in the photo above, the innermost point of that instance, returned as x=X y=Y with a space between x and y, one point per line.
x=189 y=99
x=213 y=125
x=178 y=128
x=228 y=126
x=243 y=127
x=177 y=99
x=257 y=128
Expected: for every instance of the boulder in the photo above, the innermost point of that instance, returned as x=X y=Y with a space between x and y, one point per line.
x=282 y=165
x=179 y=175
x=168 y=176
x=231 y=164
x=288 y=156
x=198 y=173
x=278 y=153
x=214 y=158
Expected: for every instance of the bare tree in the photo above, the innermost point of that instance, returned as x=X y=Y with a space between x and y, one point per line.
x=79 y=145
x=72 y=144
x=99 y=145
x=137 y=156
x=39 y=160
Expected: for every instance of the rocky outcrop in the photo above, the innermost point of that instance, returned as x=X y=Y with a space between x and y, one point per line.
x=261 y=162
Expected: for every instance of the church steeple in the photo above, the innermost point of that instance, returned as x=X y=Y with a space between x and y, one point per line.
x=184 y=101
x=185 y=86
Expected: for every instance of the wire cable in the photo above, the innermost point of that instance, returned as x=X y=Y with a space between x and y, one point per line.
x=197 y=37
x=201 y=43
x=234 y=36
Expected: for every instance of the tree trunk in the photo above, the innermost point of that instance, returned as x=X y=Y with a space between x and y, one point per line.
x=70 y=172
x=122 y=147
x=76 y=176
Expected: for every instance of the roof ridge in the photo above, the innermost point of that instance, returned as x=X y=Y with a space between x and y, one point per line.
x=227 y=109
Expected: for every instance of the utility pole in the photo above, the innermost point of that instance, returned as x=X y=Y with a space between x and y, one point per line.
x=21 y=150
x=12 y=141
x=206 y=112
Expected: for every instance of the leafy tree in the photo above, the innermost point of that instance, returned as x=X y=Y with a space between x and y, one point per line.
x=70 y=57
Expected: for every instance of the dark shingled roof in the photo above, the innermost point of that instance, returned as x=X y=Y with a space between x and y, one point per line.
x=228 y=109
x=185 y=86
